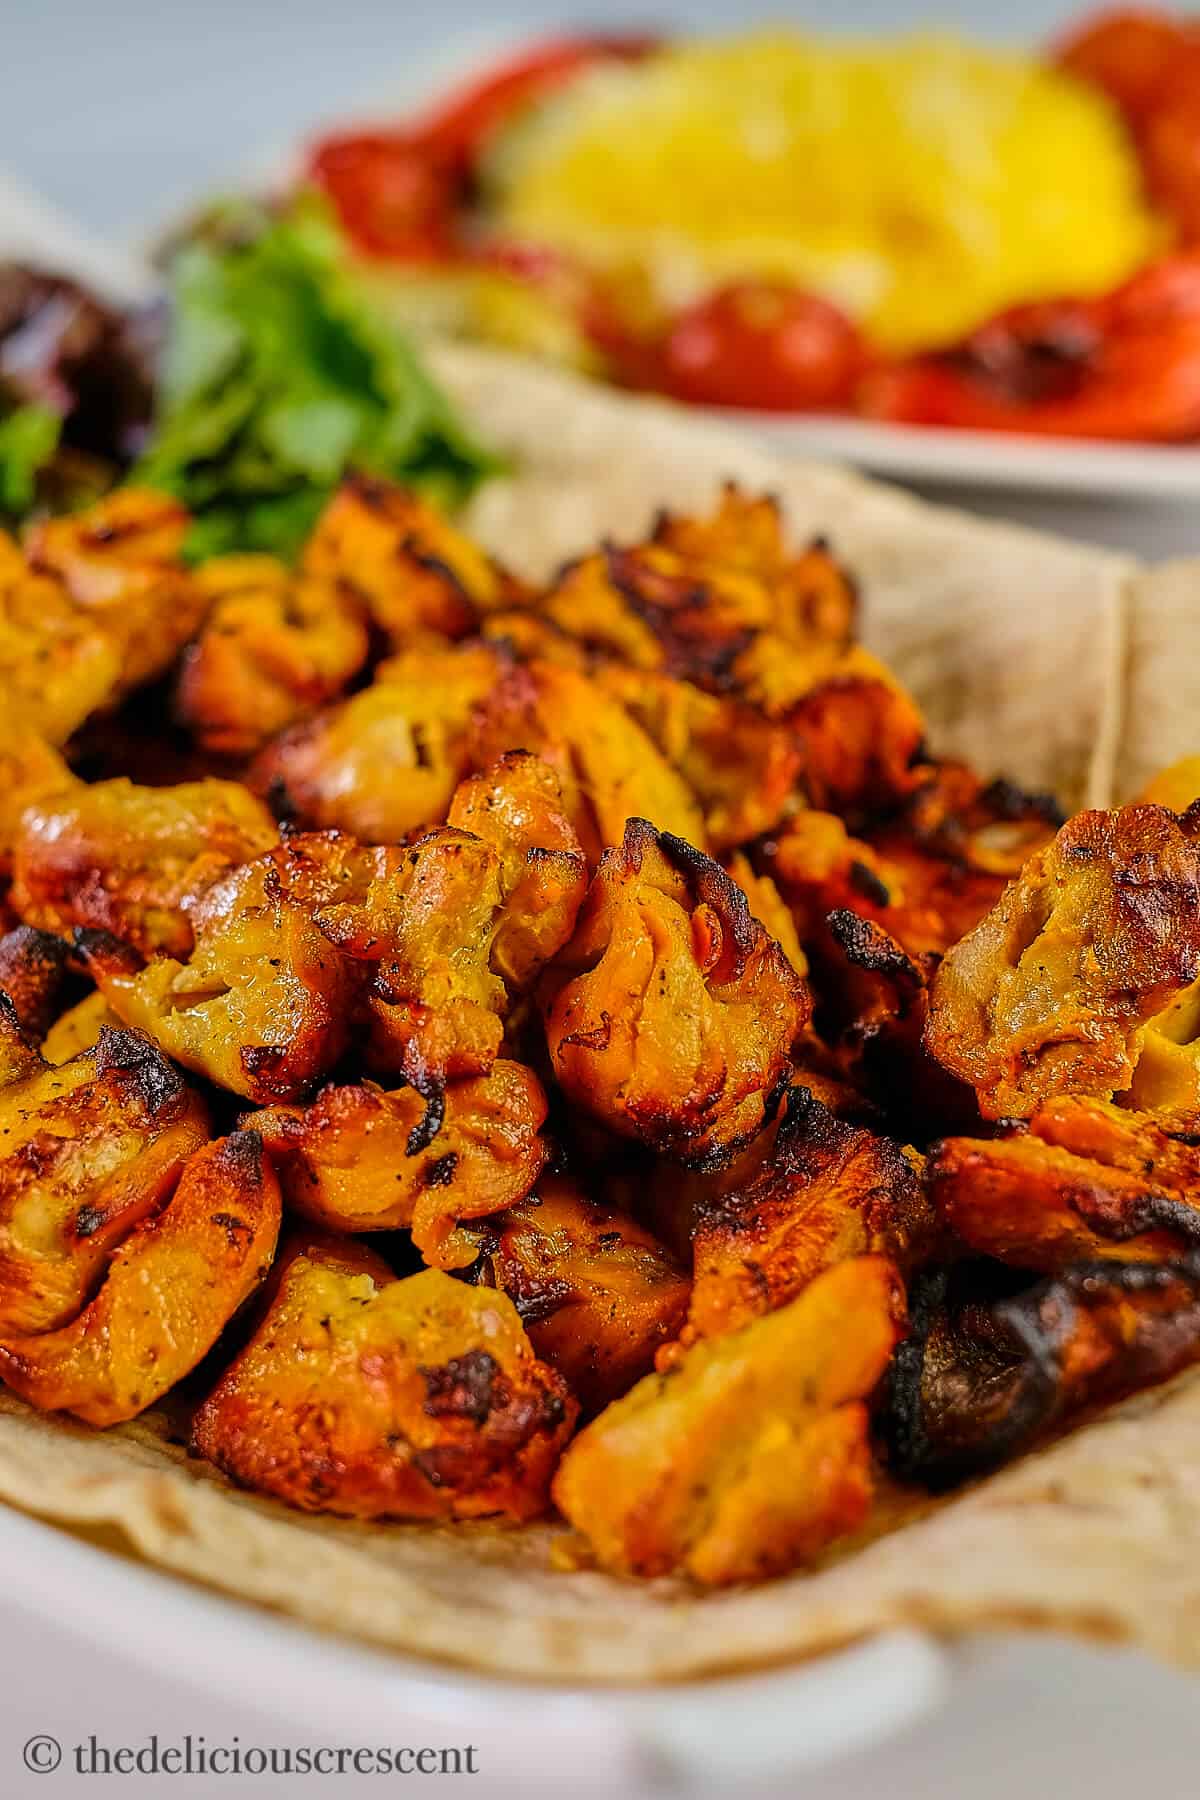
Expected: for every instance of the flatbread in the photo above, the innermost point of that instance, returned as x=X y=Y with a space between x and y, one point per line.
x=1016 y=645
x=1160 y=693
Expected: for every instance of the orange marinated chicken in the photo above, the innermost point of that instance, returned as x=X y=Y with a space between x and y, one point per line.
x=376 y=1398
x=360 y=1159
x=274 y=647
x=384 y=763
x=413 y=572
x=751 y=1454
x=1089 y=1180
x=87 y=1151
x=460 y=923
x=58 y=664
x=264 y=1005
x=119 y=562
x=767 y=905
x=169 y=1288
x=827 y=1192
x=132 y=860
x=33 y=969
x=610 y=768
x=672 y=1014
x=78 y=1028
x=741 y=767
x=29 y=770
x=986 y=1374
x=1052 y=992
x=596 y=1292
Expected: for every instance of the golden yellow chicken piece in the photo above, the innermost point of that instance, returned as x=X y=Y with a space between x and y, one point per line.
x=1052 y=992
x=265 y=1005
x=58 y=664
x=29 y=770
x=384 y=763
x=827 y=1192
x=752 y=1453
x=119 y=561
x=133 y=860
x=273 y=649
x=360 y=1159
x=87 y=1151
x=610 y=768
x=169 y=1289
x=741 y=767
x=1089 y=1181
x=33 y=969
x=415 y=574
x=1176 y=786
x=376 y=1398
x=78 y=1028
x=460 y=923
x=672 y=1013
x=598 y=1294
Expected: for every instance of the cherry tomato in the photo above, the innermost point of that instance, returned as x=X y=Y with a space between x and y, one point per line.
x=462 y=125
x=1130 y=54
x=399 y=193
x=762 y=345
x=1170 y=145
x=393 y=194
x=1127 y=366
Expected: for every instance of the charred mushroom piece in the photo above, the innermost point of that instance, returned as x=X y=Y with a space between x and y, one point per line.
x=671 y=1014
x=987 y=1373
x=376 y=1398
x=751 y=1454
x=168 y=1290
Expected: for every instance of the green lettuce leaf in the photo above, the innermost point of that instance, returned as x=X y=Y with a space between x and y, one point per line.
x=277 y=378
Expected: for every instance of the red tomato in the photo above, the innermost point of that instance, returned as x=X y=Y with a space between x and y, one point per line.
x=1130 y=54
x=762 y=345
x=393 y=195
x=1170 y=145
x=1124 y=367
x=461 y=125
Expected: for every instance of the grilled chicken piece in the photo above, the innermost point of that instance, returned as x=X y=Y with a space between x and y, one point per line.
x=384 y=763
x=408 y=566
x=609 y=767
x=1052 y=992
x=169 y=1288
x=985 y=1373
x=360 y=1159
x=741 y=767
x=828 y=1191
x=133 y=860
x=273 y=649
x=596 y=1292
x=265 y=1005
x=119 y=561
x=58 y=664
x=87 y=1151
x=377 y=1398
x=462 y=922
x=29 y=771
x=751 y=1454
x=78 y=1028
x=671 y=1014
x=33 y=969
x=1090 y=1180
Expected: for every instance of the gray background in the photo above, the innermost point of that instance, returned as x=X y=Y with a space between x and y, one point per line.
x=119 y=110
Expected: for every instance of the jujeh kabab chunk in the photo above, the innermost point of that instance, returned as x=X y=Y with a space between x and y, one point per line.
x=510 y=1053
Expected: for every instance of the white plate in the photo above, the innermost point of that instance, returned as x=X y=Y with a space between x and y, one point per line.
x=755 y=1727
x=933 y=457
